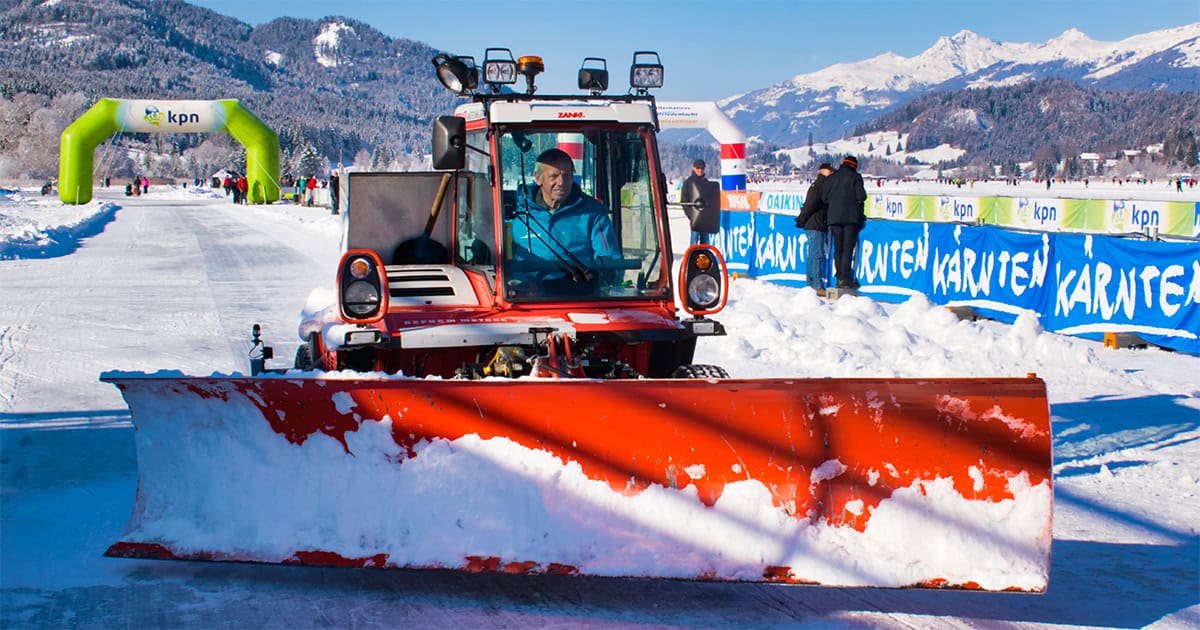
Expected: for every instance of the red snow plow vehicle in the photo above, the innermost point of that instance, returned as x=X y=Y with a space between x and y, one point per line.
x=505 y=383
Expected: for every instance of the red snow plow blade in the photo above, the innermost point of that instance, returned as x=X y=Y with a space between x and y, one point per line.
x=852 y=482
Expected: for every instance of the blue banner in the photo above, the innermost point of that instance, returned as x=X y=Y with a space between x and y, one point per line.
x=1104 y=284
x=1075 y=284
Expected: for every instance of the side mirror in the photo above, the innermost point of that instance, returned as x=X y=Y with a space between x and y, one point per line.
x=705 y=209
x=449 y=143
x=706 y=193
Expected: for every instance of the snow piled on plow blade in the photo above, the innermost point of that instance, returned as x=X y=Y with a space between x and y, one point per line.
x=792 y=480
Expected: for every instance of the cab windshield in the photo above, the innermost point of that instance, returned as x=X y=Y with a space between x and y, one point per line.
x=582 y=225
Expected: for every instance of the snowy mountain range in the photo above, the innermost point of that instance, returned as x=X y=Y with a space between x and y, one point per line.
x=831 y=102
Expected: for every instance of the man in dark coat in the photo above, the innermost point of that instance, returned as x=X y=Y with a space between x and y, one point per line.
x=812 y=220
x=705 y=222
x=843 y=191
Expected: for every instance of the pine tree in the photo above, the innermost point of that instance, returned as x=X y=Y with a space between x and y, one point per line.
x=310 y=161
x=382 y=158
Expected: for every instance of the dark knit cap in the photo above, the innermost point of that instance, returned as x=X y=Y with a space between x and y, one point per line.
x=556 y=158
x=698 y=164
x=825 y=166
x=851 y=160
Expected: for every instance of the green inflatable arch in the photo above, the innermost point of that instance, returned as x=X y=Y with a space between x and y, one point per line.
x=109 y=116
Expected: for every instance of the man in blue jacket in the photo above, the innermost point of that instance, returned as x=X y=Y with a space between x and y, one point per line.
x=556 y=223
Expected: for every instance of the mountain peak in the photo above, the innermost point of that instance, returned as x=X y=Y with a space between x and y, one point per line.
x=963 y=53
x=969 y=36
x=1072 y=35
x=830 y=101
x=963 y=39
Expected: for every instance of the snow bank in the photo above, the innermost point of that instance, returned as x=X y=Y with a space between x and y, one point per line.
x=44 y=227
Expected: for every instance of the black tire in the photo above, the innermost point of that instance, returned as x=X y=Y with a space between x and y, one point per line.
x=306 y=354
x=700 y=371
x=304 y=360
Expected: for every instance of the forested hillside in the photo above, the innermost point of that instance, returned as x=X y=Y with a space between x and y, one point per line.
x=338 y=85
x=1049 y=120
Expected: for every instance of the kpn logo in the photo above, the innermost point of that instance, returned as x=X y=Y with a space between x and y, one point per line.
x=1035 y=211
x=153 y=116
x=950 y=209
x=892 y=208
x=157 y=117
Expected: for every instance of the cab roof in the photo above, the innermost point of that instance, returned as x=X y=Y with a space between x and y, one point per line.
x=621 y=109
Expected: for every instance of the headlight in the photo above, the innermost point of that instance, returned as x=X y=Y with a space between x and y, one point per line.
x=362 y=287
x=703 y=282
x=646 y=71
x=458 y=74
x=704 y=290
x=361 y=298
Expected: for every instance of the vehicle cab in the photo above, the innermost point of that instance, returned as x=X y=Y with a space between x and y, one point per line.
x=445 y=268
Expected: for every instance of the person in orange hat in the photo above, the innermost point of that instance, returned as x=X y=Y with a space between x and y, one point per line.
x=846 y=198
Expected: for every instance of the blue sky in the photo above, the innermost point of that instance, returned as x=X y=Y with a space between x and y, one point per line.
x=716 y=49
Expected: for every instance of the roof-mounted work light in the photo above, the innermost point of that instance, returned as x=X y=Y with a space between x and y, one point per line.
x=646 y=71
x=593 y=75
x=458 y=74
x=529 y=66
x=499 y=68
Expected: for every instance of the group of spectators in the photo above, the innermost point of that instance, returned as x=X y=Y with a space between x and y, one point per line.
x=834 y=212
x=304 y=190
x=236 y=186
x=137 y=187
x=834 y=207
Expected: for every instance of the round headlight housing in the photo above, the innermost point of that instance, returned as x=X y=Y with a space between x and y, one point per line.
x=704 y=290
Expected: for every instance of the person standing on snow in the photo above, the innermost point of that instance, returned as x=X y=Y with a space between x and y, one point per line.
x=812 y=219
x=846 y=197
x=335 y=193
x=704 y=221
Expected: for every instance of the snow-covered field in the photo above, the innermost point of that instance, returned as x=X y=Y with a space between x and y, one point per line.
x=175 y=278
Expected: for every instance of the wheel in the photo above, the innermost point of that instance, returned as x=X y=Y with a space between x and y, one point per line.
x=306 y=354
x=304 y=360
x=700 y=371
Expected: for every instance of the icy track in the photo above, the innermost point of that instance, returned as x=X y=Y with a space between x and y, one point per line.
x=174 y=279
